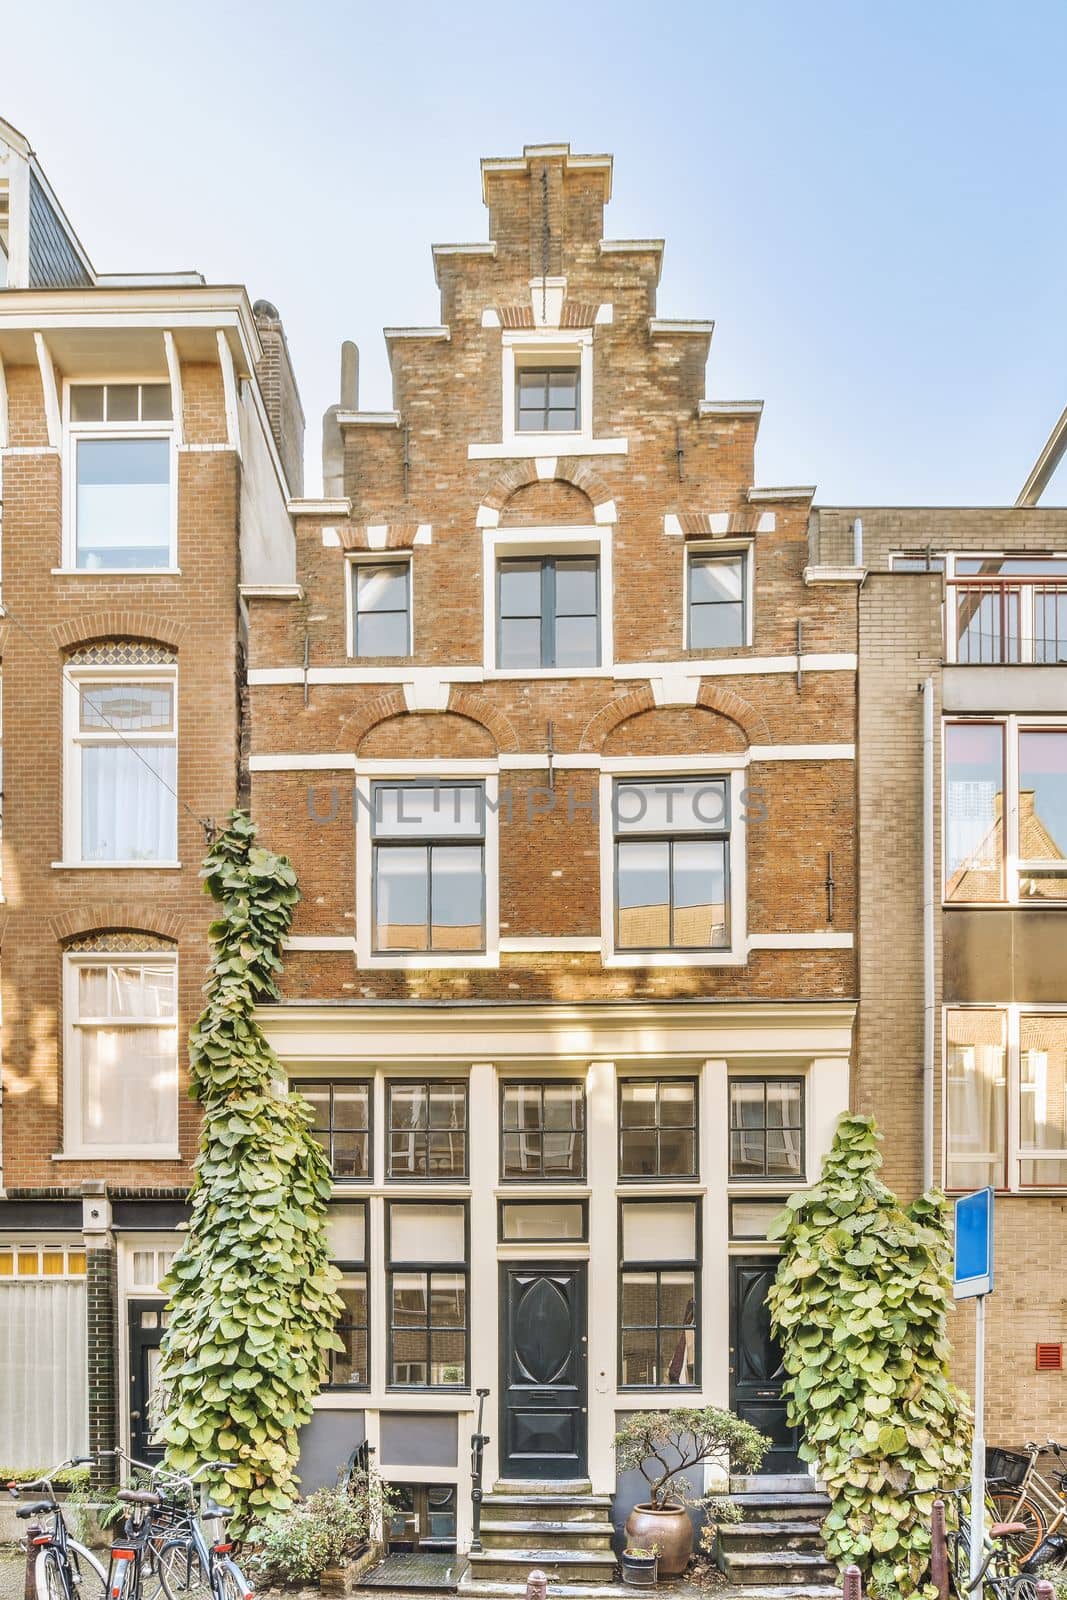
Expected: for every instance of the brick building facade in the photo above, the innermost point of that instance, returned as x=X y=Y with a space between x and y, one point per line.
x=973 y=603
x=143 y=498
x=558 y=730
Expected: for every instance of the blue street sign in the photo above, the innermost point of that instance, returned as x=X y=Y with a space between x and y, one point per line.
x=973 y=1267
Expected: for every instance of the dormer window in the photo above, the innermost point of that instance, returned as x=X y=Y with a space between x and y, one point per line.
x=548 y=399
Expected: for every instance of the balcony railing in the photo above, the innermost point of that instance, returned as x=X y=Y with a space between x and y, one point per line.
x=1007 y=621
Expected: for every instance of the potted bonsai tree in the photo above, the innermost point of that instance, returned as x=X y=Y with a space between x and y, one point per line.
x=663 y=1446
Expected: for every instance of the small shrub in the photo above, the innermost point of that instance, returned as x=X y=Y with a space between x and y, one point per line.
x=326 y=1530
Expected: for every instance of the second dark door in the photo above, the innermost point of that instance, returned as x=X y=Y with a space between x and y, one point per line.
x=756 y=1370
x=147 y=1320
x=543 y=1372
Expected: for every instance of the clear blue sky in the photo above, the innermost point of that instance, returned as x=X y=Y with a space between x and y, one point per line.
x=864 y=196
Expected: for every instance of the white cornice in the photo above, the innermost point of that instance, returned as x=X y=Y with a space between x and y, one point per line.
x=729 y=408
x=666 y=327
x=116 y=310
x=441 y=332
x=631 y=247
x=760 y=497
x=494 y=165
x=449 y=252
x=271 y=591
x=834 y=575
x=368 y=419
x=319 y=508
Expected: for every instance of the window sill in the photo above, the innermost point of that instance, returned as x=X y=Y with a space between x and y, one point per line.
x=116 y=866
x=675 y=958
x=1027 y=904
x=115 y=1153
x=547 y=444
x=670 y=1185
x=415 y=961
x=116 y=572
x=523 y=673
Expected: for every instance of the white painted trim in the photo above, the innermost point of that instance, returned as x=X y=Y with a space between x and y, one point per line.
x=570 y=444
x=72 y=432
x=317 y=761
x=378 y=556
x=368 y=419
x=490 y=317
x=300 y=507
x=739 y=666
x=50 y=392
x=550 y=943
x=802 y=752
x=384 y=675
x=116 y=866
x=741 y=546
x=271 y=591
x=419 y=766
x=122 y=310
x=29 y=450
x=535 y=761
x=3 y=407
x=577 y=540
x=208 y=449
x=629 y=247
x=729 y=408
x=441 y=332
x=177 y=402
x=757 y=497
x=801 y=941
x=621 y=671
x=314 y=941
x=229 y=390
x=660 y=327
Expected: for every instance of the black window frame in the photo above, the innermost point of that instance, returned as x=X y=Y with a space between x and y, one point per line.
x=564 y=368
x=548 y=615
x=702 y=557
x=736 y=1235
x=549 y=1236
x=356 y=566
x=541 y=1084
x=659 y=1176
x=428 y=843
x=765 y=1177
x=693 y=1265
x=302 y=1085
x=392 y=1084
x=671 y=836
x=428 y=1269
x=350 y=1268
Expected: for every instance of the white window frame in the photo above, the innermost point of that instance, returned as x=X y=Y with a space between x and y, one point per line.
x=746 y=548
x=1012 y=727
x=500 y=543
x=426 y=772
x=73 y=1146
x=545 y=347
x=376 y=558
x=1014 y=1013
x=75 y=431
x=641 y=769
x=74 y=680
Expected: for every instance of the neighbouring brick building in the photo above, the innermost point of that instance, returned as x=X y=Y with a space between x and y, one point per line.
x=557 y=725
x=144 y=498
x=963 y=657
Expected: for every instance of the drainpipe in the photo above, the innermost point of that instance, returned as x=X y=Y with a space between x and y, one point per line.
x=928 y=933
x=857 y=542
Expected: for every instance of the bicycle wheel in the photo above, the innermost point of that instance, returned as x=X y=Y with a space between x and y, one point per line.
x=181 y=1572
x=48 y=1576
x=959 y=1563
x=87 y=1569
x=229 y=1582
x=1007 y=1505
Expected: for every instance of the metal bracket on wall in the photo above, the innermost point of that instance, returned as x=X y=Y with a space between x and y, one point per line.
x=831 y=885
x=800 y=659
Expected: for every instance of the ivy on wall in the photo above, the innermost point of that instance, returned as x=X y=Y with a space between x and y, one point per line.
x=860 y=1305
x=253 y=1293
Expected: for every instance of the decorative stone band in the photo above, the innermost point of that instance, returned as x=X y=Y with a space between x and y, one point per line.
x=121 y=653
x=718 y=524
x=118 y=942
x=378 y=536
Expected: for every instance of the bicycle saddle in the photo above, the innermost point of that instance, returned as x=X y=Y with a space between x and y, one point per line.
x=38 y=1505
x=140 y=1497
x=1006 y=1530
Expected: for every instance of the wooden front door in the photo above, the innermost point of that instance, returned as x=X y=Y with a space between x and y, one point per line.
x=543 y=1420
x=147 y=1320
x=756 y=1370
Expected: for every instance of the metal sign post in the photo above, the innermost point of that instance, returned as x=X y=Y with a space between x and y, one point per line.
x=972 y=1279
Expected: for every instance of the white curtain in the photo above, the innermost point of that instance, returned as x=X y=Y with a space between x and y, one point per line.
x=44 y=1396
x=127 y=813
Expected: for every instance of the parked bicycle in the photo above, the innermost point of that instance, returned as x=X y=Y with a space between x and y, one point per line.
x=1020 y=1492
x=64 y=1568
x=998 y=1575
x=165 y=1543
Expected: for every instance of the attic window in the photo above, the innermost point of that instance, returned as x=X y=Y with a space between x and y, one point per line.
x=548 y=399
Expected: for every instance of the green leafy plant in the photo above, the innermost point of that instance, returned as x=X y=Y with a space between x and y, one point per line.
x=663 y=1445
x=327 y=1530
x=253 y=1294
x=860 y=1305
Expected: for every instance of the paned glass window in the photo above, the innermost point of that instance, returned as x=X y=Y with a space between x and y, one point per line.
x=543 y=1130
x=657 y=1128
x=672 y=858
x=766 y=1127
x=428 y=1296
x=428 y=1129
x=659 y=1314
x=429 y=867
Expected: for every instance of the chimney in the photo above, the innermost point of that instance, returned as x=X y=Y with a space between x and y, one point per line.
x=281 y=397
x=333 y=450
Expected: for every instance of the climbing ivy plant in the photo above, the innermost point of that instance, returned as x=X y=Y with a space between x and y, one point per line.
x=253 y=1294
x=860 y=1305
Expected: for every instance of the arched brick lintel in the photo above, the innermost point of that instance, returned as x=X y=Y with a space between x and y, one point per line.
x=608 y=717
x=477 y=708
x=753 y=724
x=126 y=916
x=155 y=626
x=569 y=469
x=710 y=696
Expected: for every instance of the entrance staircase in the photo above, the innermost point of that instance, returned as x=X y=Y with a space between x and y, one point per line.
x=777 y=1546
x=560 y=1527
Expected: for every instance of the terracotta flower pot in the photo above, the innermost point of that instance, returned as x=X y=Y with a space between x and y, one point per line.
x=669 y=1528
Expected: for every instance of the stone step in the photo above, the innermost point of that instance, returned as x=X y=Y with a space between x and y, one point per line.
x=529 y=1535
x=560 y=1566
x=763 y=1568
x=484 y=1589
x=781 y=1507
x=774 y=1483
x=771 y=1535
x=546 y=1507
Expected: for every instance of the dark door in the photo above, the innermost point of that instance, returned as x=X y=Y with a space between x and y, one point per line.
x=756 y=1370
x=543 y=1372
x=147 y=1322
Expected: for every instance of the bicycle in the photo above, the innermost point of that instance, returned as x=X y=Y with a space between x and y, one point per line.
x=62 y=1563
x=167 y=1538
x=995 y=1576
x=1021 y=1493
